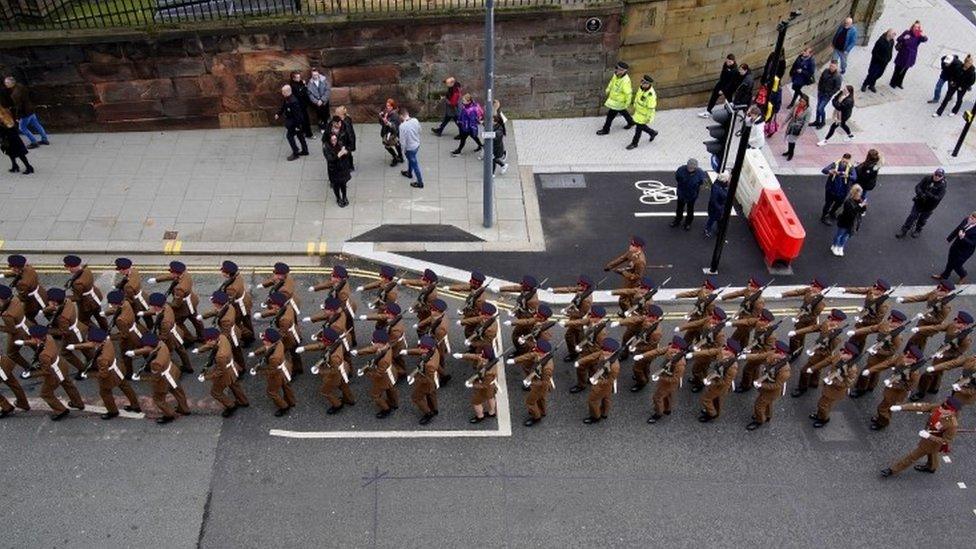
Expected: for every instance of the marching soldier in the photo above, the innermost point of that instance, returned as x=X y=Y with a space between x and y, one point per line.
x=829 y=333
x=578 y=309
x=390 y=320
x=887 y=344
x=283 y=318
x=426 y=287
x=436 y=326
x=240 y=299
x=277 y=370
x=603 y=381
x=771 y=384
x=897 y=387
x=185 y=302
x=425 y=378
x=338 y=286
x=697 y=320
x=221 y=371
x=809 y=315
x=957 y=342
x=757 y=351
x=54 y=372
x=719 y=381
x=539 y=382
x=526 y=304
x=24 y=281
x=938 y=434
x=645 y=336
x=713 y=338
x=475 y=298
x=485 y=328
x=130 y=283
x=594 y=333
x=164 y=377
x=842 y=370
x=538 y=325
x=225 y=319
x=380 y=372
x=65 y=327
x=86 y=296
x=385 y=287
x=14 y=324
x=964 y=388
x=875 y=307
x=668 y=378
x=163 y=323
x=123 y=319
x=282 y=281
x=642 y=298
x=334 y=369
x=109 y=375
x=10 y=380
x=483 y=383
x=937 y=310
x=631 y=266
x=750 y=308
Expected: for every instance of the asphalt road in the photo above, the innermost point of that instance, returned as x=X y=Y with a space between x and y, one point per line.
x=585 y=227
x=966 y=7
x=209 y=482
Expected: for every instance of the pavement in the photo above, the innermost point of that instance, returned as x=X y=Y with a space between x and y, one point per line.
x=206 y=481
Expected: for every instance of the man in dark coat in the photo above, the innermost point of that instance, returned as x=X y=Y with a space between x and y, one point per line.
x=716 y=203
x=880 y=58
x=728 y=80
x=689 y=179
x=742 y=96
x=829 y=84
x=294 y=115
x=963 y=244
x=802 y=73
x=928 y=194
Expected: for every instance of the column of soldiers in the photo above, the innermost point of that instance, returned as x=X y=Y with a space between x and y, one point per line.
x=80 y=335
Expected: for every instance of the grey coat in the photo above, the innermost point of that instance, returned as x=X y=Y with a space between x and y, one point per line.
x=319 y=91
x=795 y=125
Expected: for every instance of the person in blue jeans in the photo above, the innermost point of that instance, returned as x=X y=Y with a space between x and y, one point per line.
x=849 y=219
x=410 y=141
x=23 y=111
x=827 y=87
x=845 y=38
x=716 y=203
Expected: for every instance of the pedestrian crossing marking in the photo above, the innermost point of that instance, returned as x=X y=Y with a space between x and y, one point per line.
x=961 y=485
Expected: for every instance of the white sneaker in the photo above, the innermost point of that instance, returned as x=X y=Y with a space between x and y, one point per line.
x=840 y=252
x=952 y=114
x=935 y=115
x=481 y=156
x=849 y=138
x=704 y=114
x=821 y=143
x=833 y=250
x=504 y=168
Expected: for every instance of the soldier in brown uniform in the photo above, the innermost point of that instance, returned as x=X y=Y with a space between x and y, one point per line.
x=540 y=366
x=240 y=299
x=130 y=283
x=757 y=350
x=645 y=336
x=86 y=296
x=483 y=383
x=668 y=378
x=54 y=372
x=281 y=281
x=578 y=309
x=123 y=320
x=536 y=327
x=221 y=371
x=713 y=338
x=380 y=372
x=936 y=313
x=185 y=302
x=426 y=287
x=8 y=378
x=696 y=321
x=829 y=333
x=333 y=316
x=164 y=376
x=224 y=317
x=425 y=378
x=750 y=308
x=631 y=266
x=938 y=434
x=957 y=342
x=594 y=333
x=887 y=344
x=338 y=287
x=526 y=304
x=485 y=329
x=771 y=385
x=605 y=369
x=109 y=374
x=640 y=297
x=385 y=287
x=875 y=307
x=277 y=370
x=964 y=388
x=14 y=324
x=809 y=315
x=475 y=290
x=719 y=381
x=65 y=327
x=907 y=367
x=334 y=369
x=283 y=318
x=436 y=326
x=162 y=320
x=24 y=281
x=390 y=320
x=842 y=370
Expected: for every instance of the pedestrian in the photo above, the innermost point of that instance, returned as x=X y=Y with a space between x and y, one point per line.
x=742 y=96
x=350 y=132
x=929 y=192
x=294 y=115
x=961 y=80
x=410 y=141
x=689 y=179
x=300 y=90
x=947 y=64
x=881 y=55
x=620 y=94
x=339 y=165
x=796 y=123
x=645 y=108
x=11 y=143
x=390 y=131
x=840 y=176
x=757 y=137
x=962 y=241
x=828 y=86
x=849 y=219
x=452 y=100
x=802 y=73
x=319 y=93
x=23 y=111
x=845 y=38
x=728 y=80
x=907 y=46
x=867 y=173
x=843 y=104
x=498 y=143
x=716 y=203
x=469 y=120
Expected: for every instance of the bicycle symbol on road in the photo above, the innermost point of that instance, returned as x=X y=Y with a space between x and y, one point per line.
x=655 y=193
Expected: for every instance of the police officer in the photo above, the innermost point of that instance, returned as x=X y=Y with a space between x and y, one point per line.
x=645 y=107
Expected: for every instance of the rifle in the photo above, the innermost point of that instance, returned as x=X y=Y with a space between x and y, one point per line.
x=703 y=302
x=172 y=287
x=952 y=344
x=646 y=298
x=382 y=294
x=210 y=362
x=824 y=342
x=807 y=308
x=641 y=336
x=717 y=370
x=580 y=297
x=749 y=301
x=33 y=366
x=769 y=372
x=904 y=374
x=334 y=292
x=837 y=374
x=590 y=333
x=710 y=336
x=421 y=366
x=539 y=364
x=75 y=276
x=473 y=296
x=761 y=335
x=479 y=332
x=603 y=367
x=871 y=305
x=421 y=303
x=522 y=301
x=90 y=365
x=327 y=353
x=936 y=308
x=122 y=283
x=480 y=374
x=668 y=367
x=886 y=340
x=136 y=376
x=537 y=330
x=226 y=284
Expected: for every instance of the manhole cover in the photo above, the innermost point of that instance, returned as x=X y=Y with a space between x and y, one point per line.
x=170 y=235
x=563 y=181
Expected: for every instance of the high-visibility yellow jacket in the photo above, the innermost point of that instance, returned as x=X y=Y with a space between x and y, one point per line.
x=645 y=106
x=619 y=93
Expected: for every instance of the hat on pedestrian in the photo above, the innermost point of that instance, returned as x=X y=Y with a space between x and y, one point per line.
x=914 y=352
x=679 y=343
x=487 y=309
x=782 y=347
x=72 y=261
x=897 y=316
x=692 y=163
x=584 y=280
x=766 y=316
x=332 y=304
x=37 y=331
x=328 y=335
x=940 y=172
x=710 y=283
x=55 y=294
x=647 y=283
x=818 y=283
x=637 y=241
x=882 y=285
x=123 y=264
x=210 y=334
x=149 y=340
x=654 y=311
x=597 y=311
x=229 y=267
x=962 y=317
x=278 y=298
x=946 y=286
x=953 y=404
x=718 y=313
x=757 y=281
x=387 y=272
x=271 y=335
x=622 y=66
x=529 y=282
x=647 y=79
x=177 y=267
x=610 y=345
x=734 y=346
x=281 y=268
x=837 y=315
x=477 y=278
x=97 y=335
x=157 y=299
x=219 y=297
x=430 y=276
x=6 y=292
x=427 y=342
x=851 y=348
x=115 y=297
x=340 y=271
x=542 y=346
x=392 y=309
x=16 y=261
x=543 y=311
x=439 y=305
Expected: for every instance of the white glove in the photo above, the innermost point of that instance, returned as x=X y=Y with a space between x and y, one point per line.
x=549 y=289
x=250 y=355
x=199 y=317
x=200 y=378
x=956 y=387
x=757 y=384
x=915 y=330
x=362 y=317
x=19 y=342
x=655 y=378
x=257 y=316
x=631 y=348
x=775 y=296
x=900 y=299
x=809 y=370
x=689 y=355
x=562 y=323
x=791 y=333
x=872 y=352
x=677 y=329
x=359 y=288
x=315 y=370
x=311 y=288
x=460 y=311
x=467 y=342
x=510 y=361
x=253 y=371
x=398 y=279
x=638 y=357
x=741 y=356
x=195 y=351
x=457 y=355
x=614 y=324
x=865 y=372
x=925 y=434
x=354 y=352
x=850 y=333
x=576 y=364
x=458 y=322
x=896 y=408
x=141 y=314
x=300 y=349
x=70 y=347
x=2 y=275
x=507 y=323
x=707 y=382
x=937 y=355
x=827 y=381
x=930 y=369
x=403 y=352
x=151 y=281
x=306 y=319
x=130 y=353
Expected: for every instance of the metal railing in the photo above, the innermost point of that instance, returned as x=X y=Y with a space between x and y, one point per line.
x=33 y=15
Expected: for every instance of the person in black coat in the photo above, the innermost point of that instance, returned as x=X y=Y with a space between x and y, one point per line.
x=881 y=54
x=962 y=245
x=962 y=76
x=294 y=115
x=728 y=79
x=928 y=194
x=742 y=96
x=11 y=144
x=339 y=168
x=802 y=73
x=867 y=172
x=300 y=90
x=843 y=104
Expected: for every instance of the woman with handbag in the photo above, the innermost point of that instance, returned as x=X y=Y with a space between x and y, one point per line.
x=390 y=132
x=796 y=123
x=843 y=104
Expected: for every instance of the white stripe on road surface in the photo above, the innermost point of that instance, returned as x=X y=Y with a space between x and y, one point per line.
x=89 y=408
x=671 y=214
x=962 y=485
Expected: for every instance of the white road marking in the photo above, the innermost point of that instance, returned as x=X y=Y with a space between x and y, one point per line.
x=961 y=485
x=36 y=403
x=946 y=459
x=671 y=214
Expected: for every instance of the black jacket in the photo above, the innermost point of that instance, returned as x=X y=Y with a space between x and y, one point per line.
x=882 y=51
x=949 y=64
x=929 y=193
x=743 y=92
x=962 y=247
x=300 y=90
x=844 y=106
x=829 y=83
x=339 y=168
x=728 y=79
x=867 y=176
x=963 y=78
x=292 y=111
x=850 y=215
x=11 y=143
x=350 y=132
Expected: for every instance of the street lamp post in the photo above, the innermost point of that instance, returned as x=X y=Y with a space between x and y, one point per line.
x=968 y=116
x=488 y=134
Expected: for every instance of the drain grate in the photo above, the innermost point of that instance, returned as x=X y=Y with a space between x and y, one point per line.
x=170 y=235
x=563 y=181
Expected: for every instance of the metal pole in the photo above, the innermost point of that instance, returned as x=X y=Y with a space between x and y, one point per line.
x=723 y=224
x=769 y=71
x=488 y=191
x=965 y=129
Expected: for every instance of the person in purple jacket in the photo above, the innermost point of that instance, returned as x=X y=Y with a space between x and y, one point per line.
x=907 y=46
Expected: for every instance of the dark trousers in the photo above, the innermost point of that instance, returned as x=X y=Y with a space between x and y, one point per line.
x=831 y=205
x=293 y=132
x=959 y=93
x=323 y=114
x=712 y=99
x=339 y=189
x=955 y=263
x=643 y=128
x=612 y=113
x=916 y=220
x=450 y=115
x=833 y=128
x=898 y=76
x=22 y=158
x=464 y=139
x=874 y=73
x=797 y=90
x=790 y=149
x=684 y=206
x=395 y=152
x=306 y=120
